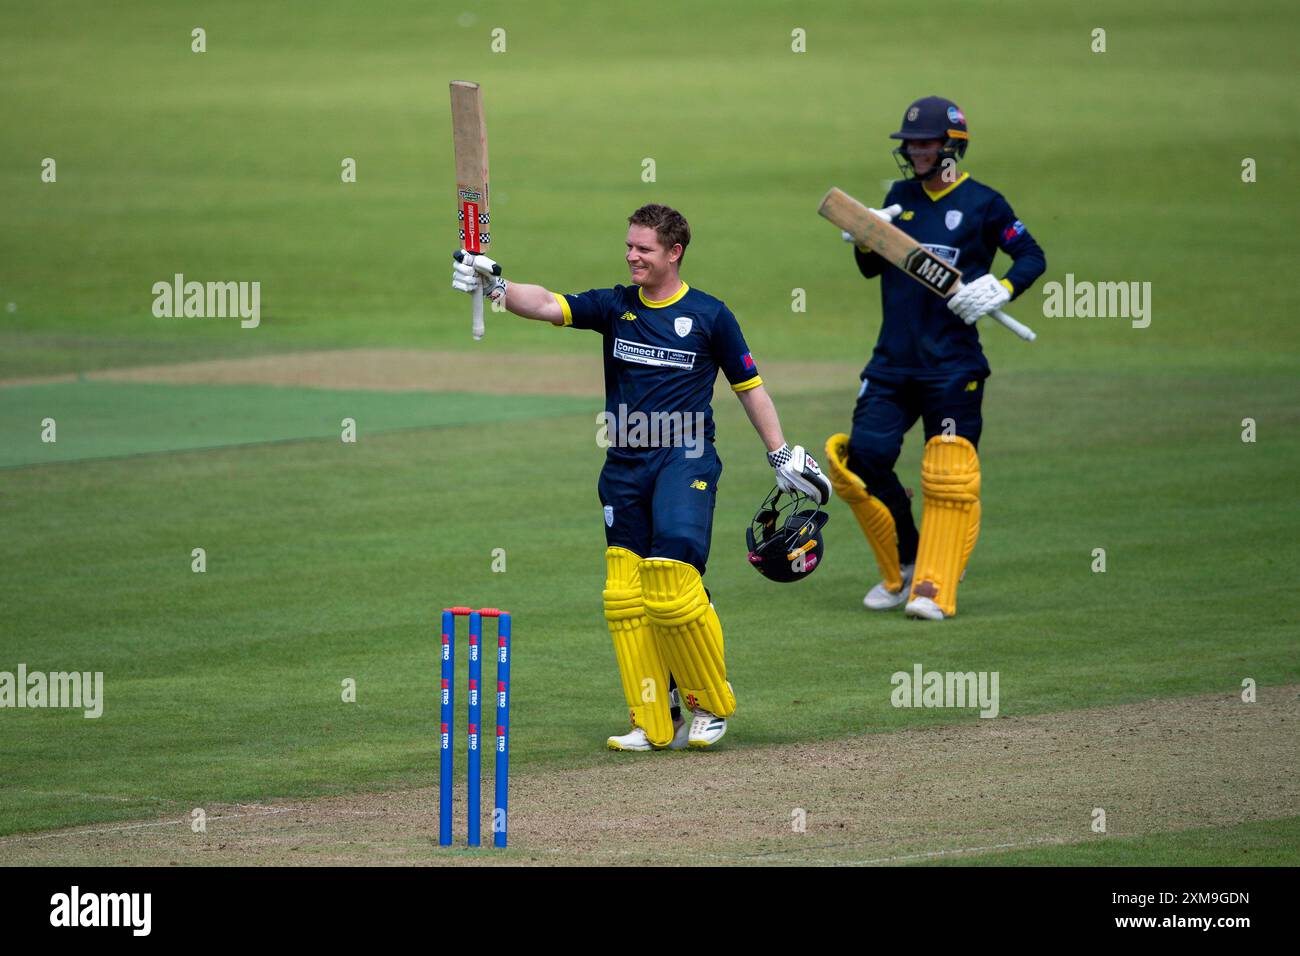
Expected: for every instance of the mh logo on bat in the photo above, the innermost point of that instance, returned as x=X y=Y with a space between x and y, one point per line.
x=931 y=270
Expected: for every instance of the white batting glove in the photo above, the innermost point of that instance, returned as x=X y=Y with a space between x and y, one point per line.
x=472 y=272
x=463 y=276
x=796 y=471
x=979 y=297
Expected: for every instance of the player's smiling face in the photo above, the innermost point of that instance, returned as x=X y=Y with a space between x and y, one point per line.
x=924 y=154
x=647 y=259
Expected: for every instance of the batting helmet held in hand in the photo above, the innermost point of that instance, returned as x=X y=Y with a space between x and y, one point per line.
x=785 y=542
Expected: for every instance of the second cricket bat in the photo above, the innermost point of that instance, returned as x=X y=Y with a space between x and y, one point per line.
x=473 y=205
x=901 y=250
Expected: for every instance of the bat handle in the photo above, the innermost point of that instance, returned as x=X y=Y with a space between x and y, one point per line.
x=1022 y=330
x=477 y=297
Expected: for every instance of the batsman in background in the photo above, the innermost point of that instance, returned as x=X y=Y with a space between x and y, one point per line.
x=928 y=364
x=664 y=344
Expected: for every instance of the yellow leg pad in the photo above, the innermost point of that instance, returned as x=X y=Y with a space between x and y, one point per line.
x=640 y=664
x=972 y=535
x=873 y=517
x=950 y=521
x=689 y=633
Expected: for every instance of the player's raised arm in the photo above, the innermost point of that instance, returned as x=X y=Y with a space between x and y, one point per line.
x=473 y=272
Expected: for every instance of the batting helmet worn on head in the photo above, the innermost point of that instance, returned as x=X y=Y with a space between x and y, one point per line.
x=932 y=117
x=785 y=542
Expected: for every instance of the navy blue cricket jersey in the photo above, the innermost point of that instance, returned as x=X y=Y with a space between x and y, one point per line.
x=966 y=225
x=663 y=356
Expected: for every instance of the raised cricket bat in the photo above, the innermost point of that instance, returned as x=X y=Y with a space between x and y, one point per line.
x=900 y=249
x=473 y=207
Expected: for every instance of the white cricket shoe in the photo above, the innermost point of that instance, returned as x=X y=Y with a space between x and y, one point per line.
x=880 y=598
x=637 y=741
x=706 y=729
x=925 y=608
x=634 y=740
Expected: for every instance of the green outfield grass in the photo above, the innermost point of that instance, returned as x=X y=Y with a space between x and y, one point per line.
x=105 y=420
x=328 y=561
x=225 y=165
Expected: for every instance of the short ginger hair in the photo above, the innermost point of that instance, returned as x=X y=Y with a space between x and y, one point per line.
x=670 y=226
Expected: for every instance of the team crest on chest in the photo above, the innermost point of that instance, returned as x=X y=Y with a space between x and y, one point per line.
x=682 y=326
x=952 y=219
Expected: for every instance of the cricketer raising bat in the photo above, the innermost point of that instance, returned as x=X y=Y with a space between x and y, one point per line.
x=469 y=136
x=899 y=249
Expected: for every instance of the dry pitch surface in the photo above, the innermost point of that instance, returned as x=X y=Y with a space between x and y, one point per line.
x=973 y=788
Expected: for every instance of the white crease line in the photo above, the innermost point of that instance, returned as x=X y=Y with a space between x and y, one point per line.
x=140 y=826
x=933 y=853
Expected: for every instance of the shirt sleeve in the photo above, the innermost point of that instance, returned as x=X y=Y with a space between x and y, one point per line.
x=869 y=264
x=592 y=309
x=732 y=354
x=1009 y=234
